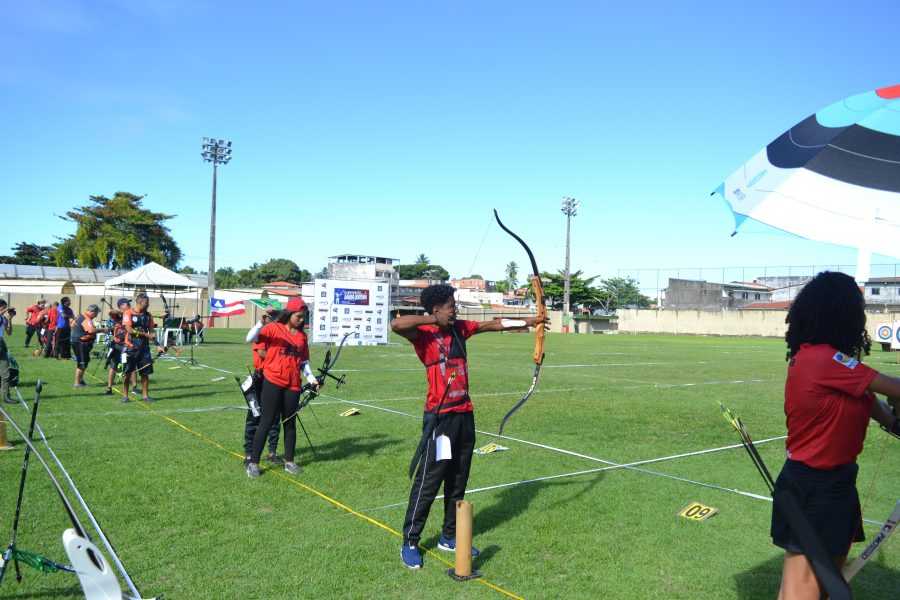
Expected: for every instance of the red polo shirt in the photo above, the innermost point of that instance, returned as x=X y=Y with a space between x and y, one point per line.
x=827 y=404
x=435 y=349
x=34 y=315
x=285 y=353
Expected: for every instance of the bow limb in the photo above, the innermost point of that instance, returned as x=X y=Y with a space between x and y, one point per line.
x=539 y=330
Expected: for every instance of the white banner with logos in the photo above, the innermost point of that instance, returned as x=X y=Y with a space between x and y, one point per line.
x=342 y=305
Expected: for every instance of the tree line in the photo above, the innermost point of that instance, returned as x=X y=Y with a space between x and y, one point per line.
x=120 y=233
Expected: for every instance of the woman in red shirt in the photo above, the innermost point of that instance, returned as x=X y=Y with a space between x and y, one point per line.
x=284 y=368
x=829 y=397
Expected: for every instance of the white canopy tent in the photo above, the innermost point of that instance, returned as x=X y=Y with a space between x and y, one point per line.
x=152 y=277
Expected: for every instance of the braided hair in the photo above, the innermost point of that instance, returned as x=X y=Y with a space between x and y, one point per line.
x=830 y=309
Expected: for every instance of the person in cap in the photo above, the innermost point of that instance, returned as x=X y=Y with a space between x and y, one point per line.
x=139 y=327
x=251 y=424
x=285 y=366
x=83 y=335
x=33 y=320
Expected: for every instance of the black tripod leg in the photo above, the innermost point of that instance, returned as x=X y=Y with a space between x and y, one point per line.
x=15 y=528
x=309 y=441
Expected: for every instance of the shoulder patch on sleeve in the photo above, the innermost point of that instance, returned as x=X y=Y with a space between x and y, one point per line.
x=846 y=360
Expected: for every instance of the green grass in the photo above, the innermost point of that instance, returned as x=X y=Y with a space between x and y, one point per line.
x=188 y=523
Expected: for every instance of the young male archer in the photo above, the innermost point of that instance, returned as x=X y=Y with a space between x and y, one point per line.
x=448 y=425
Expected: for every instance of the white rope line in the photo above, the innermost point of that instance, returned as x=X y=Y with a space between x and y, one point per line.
x=612 y=467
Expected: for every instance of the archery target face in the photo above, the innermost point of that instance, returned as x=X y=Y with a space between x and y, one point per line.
x=884 y=332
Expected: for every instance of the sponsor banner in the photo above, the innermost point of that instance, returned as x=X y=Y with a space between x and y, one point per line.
x=351 y=296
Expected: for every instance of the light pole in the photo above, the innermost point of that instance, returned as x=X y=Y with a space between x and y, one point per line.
x=217 y=152
x=570 y=209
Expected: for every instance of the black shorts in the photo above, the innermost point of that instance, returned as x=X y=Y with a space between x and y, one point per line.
x=139 y=362
x=829 y=500
x=82 y=352
x=113 y=357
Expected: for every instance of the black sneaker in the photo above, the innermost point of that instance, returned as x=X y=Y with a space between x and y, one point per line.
x=252 y=470
x=108 y=392
x=275 y=459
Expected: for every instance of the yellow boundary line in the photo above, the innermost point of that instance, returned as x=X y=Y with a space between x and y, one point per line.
x=315 y=492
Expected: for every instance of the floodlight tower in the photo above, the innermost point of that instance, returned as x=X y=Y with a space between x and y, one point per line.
x=217 y=152
x=570 y=209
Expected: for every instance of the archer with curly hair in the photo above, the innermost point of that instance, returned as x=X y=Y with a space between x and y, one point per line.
x=444 y=452
x=829 y=397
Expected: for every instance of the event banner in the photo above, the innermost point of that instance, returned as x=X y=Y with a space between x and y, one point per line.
x=341 y=306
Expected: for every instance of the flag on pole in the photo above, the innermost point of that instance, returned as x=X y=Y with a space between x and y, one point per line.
x=219 y=308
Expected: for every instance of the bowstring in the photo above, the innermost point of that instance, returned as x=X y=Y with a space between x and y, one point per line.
x=487 y=230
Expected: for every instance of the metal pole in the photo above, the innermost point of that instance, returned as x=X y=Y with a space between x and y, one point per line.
x=567 y=284
x=211 y=277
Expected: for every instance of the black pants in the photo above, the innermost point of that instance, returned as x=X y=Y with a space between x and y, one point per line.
x=250 y=427
x=30 y=330
x=50 y=344
x=453 y=473
x=277 y=403
x=63 y=343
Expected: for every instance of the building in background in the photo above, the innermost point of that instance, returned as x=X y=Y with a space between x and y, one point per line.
x=364 y=267
x=882 y=293
x=687 y=294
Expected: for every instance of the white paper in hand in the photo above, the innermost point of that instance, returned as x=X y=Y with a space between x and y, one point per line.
x=442 y=448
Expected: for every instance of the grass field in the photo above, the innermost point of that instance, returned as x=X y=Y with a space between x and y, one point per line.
x=166 y=480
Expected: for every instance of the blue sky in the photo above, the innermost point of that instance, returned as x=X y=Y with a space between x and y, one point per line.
x=393 y=128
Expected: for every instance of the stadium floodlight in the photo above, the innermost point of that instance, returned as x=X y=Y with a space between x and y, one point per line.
x=217 y=152
x=570 y=209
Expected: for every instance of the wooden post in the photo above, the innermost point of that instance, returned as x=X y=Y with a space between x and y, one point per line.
x=463 y=569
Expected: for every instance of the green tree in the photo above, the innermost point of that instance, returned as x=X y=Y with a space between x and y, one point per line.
x=512 y=273
x=30 y=254
x=187 y=270
x=624 y=292
x=281 y=269
x=580 y=290
x=226 y=278
x=423 y=271
x=117 y=233
x=421 y=259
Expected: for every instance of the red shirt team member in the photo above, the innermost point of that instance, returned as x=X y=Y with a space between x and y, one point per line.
x=439 y=340
x=828 y=400
x=252 y=422
x=50 y=318
x=33 y=320
x=285 y=365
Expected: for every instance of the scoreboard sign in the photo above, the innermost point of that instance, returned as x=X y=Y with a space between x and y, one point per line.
x=342 y=306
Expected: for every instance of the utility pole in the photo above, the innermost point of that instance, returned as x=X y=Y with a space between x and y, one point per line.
x=217 y=152
x=570 y=209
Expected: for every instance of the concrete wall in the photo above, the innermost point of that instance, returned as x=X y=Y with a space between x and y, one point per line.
x=765 y=323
